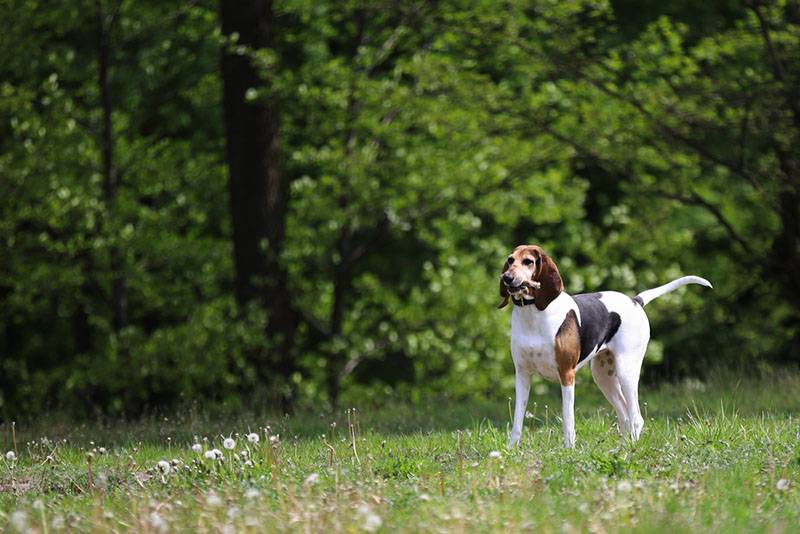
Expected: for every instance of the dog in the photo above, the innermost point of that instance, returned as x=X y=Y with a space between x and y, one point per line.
x=555 y=334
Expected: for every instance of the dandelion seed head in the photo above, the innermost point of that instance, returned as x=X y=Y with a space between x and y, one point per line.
x=370 y=520
x=229 y=443
x=624 y=486
x=157 y=522
x=164 y=467
x=495 y=454
x=311 y=479
x=19 y=520
x=197 y=447
x=782 y=485
x=212 y=499
x=11 y=456
x=252 y=437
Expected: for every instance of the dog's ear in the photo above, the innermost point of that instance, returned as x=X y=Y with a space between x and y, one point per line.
x=550 y=279
x=503 y=290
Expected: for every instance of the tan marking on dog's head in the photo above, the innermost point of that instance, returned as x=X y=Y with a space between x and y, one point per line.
x=529 y=270
x=568 y=348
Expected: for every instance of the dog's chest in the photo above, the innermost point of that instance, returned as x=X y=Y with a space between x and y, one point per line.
x=533 y=335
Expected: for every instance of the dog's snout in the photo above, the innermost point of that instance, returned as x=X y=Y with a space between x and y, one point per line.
x=508 y=278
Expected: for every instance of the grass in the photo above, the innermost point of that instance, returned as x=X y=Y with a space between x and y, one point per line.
x=719 y=456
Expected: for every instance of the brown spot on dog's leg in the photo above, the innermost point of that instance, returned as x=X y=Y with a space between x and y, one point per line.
x=568 y=348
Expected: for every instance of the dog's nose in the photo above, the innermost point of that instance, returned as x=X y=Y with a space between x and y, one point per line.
x=507 y=278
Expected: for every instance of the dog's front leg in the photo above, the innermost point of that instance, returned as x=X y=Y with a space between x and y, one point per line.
x=522 y=390
x=568 y=414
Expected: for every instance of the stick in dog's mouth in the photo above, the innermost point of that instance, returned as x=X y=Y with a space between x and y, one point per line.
x=528 y=287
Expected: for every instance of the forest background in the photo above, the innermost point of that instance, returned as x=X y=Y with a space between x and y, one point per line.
x=300 y=202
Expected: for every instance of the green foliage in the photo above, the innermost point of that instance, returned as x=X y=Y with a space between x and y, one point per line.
x=422 y=141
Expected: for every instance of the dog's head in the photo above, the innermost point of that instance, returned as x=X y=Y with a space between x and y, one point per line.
x=529 y=273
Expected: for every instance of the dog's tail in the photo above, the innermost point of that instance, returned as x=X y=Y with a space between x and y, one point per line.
x=649 y=294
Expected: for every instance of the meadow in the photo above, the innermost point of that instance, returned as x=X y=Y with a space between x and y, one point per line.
x=720 y=455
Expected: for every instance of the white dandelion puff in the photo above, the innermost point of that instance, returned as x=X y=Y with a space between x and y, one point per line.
x=157 y=522
x=213 y=454
x=370 y=520
x=252 y=437
x=212 y=499
x=19 y=520
x=197 y=447
x=624 y=486
x=11 y=456
x=495 y=454
x=164 y=467
x=252 y=493
x=229 y=443
x=311 y=479
x=782 y=484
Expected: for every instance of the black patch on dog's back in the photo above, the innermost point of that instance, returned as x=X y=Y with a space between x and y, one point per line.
x=598 y=325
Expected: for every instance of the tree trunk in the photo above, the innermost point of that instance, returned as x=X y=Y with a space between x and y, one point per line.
x=258 y=190
x=119 y=293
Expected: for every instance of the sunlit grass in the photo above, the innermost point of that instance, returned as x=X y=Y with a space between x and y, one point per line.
x=718 y=456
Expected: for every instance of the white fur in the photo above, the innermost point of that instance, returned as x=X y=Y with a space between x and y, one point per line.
x=656 y=292
x=533 y=334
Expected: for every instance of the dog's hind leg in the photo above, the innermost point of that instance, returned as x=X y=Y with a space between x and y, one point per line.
x=522 y=390
x=605 y=376
x=628 y=371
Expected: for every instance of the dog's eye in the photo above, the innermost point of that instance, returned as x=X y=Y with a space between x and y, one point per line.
x=527 y=261
x=510 y=261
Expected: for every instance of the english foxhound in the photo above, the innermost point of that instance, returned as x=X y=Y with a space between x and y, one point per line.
x=555 y=334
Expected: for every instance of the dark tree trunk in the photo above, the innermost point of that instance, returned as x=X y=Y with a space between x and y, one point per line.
x=119 y=293
x=258 y=190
